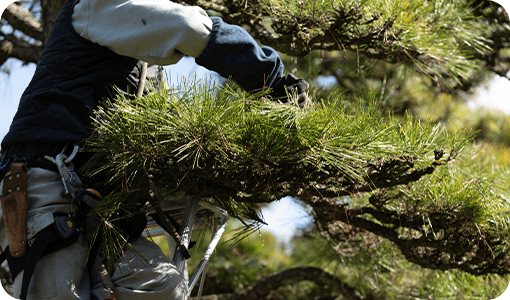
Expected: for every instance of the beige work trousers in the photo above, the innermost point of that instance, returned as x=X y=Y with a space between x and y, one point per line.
x=63 y=274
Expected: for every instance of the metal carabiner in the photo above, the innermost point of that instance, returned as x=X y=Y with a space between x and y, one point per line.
x=70 y=179
x=73 y=154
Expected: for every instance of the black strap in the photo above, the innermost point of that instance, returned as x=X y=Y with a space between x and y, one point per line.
x=47 y=241
x=174 y=223
x=43 y=240
x=33 y=155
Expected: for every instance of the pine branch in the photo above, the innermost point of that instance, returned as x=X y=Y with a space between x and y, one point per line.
x=411 y=33
x=436 y=228
x=324 y=152
x=238 y=150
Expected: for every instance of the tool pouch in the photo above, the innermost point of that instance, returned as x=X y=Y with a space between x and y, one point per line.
x=14 y=200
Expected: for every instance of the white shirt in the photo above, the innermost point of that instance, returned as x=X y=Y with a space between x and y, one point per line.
x=159 y=32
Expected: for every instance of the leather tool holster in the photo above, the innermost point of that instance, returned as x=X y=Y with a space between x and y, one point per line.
x=14 y=200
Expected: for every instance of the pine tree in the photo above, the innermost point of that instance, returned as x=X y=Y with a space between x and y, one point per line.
x=363 y=159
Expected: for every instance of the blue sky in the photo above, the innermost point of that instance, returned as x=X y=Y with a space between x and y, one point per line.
x=11 y=87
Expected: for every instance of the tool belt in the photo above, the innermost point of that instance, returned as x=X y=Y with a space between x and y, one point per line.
x=22 y=255
x=46 y=241
x=65 y=230
x=30 y=154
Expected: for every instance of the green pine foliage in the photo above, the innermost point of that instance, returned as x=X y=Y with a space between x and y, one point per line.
x=371 y=265
x=439 y=37
x=238 y=150
x=405 y=205
x=391 y=182
x=242 y=148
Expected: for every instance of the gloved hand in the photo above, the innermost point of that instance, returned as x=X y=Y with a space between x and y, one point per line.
x=293 y=87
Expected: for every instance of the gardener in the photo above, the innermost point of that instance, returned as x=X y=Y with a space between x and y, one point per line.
x=94 y=46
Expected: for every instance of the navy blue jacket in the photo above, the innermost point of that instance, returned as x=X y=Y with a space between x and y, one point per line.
x=72 y=76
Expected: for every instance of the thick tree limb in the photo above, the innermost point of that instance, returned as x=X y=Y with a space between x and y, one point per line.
x=454 y=244
x=22 y=19
x=50 y=10
x=292 y=276
x=305 y=182
x=14 y=47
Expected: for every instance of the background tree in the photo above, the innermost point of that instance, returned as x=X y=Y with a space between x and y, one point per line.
x=431 y=201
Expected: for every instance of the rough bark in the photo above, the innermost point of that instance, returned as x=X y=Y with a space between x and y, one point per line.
x=28 y=47
x=264 y=182
x=14 y=47
x=454 y=244
x=50 y=10
x=23 y=20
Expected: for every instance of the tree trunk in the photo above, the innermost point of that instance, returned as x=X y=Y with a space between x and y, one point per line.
x=50 y=9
